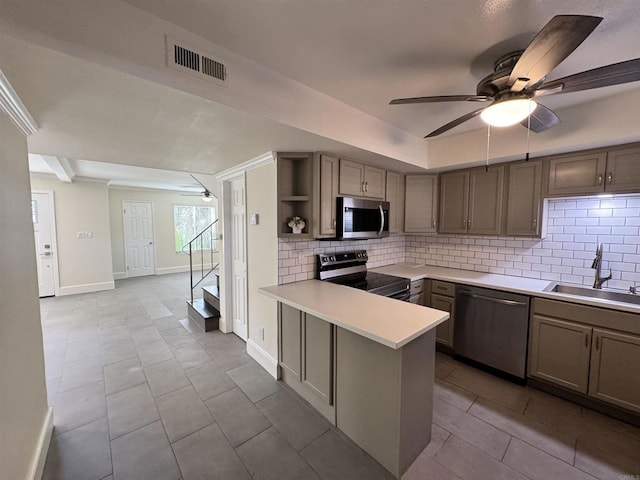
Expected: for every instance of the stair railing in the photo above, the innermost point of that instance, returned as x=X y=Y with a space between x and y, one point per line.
x=205 y=243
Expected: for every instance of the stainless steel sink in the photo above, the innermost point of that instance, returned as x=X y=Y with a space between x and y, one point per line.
x=593 y=293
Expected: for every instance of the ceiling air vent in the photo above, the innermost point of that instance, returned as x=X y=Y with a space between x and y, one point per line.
x=195 y=62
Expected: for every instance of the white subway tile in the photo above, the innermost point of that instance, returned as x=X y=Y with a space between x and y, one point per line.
x=572 y=278
x=588 y=221
x=601 y=212
x=625 y=230
x=566 y=205
x=626 y=212
x=588 y=204
x=513 y=271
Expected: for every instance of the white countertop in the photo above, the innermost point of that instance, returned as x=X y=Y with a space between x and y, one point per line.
x=526 y=286
x=384 y=320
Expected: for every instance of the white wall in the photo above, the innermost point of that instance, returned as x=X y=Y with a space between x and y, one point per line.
x=23 y=397
x=84 y=265
x=262 y=265
x=167 y=259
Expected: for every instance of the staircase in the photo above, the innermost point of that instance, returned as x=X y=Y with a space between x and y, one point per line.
x=204 y=311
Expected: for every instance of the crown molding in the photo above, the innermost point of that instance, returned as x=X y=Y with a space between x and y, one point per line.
x=259 y=161
x=11 y=104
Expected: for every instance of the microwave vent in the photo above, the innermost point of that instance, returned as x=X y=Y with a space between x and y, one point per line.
x=196 y=62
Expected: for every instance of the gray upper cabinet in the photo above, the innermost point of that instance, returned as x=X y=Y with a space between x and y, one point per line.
x=471 y=201
x=359 y=180
x=524 y=199
x=325 y=187
x=579 y=174
x=395 y=196
x=615 y=171
x=454 y=195
x=420 y=210
x=623 y=170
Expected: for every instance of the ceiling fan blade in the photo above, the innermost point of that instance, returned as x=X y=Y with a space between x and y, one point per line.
x=615 y=74
x=555 y=42
x=542 y=119
x=455 y=123
x=442 y=98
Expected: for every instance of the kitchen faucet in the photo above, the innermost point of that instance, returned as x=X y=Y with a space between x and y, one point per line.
x=597 y=264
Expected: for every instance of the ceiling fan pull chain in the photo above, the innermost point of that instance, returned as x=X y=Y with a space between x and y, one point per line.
x=526 y=158
x=486 y=167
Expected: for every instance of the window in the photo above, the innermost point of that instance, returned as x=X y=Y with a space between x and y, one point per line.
x=189 y=221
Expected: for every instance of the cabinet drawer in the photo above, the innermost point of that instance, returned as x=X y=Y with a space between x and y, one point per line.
x=443 y=288
x=417 y=287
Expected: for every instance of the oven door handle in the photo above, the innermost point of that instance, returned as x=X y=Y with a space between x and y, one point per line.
x=381 y=220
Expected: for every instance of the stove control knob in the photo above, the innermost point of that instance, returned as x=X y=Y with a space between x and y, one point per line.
x=323 y=259
x=333 y=258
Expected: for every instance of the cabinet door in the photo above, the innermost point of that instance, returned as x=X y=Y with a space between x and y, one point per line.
x=559 y=352
x=374 y=182
x=454 y=194
x=351 y=178
x=524 y=201
x=486 y=188
x=289 y=338
x=577 y=174
x=328 y=191
x=444 y=331
x=420 y=203
x=623 y=170
x=614 y=377
x=317 y=354
x=395 y=197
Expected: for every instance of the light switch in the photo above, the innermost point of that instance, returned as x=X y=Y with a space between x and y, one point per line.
x=254 y=219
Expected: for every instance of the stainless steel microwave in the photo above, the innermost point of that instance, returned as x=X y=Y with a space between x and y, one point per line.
x=357 y=218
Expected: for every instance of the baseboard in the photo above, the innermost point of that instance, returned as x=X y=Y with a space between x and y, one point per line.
x=119 y=275
x=267 y=362
x=87 y=288
x=42 y=448
x=183 y=268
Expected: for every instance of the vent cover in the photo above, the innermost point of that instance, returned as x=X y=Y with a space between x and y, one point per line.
x=195 y=62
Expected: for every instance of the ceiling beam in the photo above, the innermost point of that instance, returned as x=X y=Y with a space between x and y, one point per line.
x=61 y=167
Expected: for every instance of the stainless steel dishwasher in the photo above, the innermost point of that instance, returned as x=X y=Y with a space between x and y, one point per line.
x=492 y=328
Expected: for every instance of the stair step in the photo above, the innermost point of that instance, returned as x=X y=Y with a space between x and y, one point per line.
x=206 y=316
x=211 y=296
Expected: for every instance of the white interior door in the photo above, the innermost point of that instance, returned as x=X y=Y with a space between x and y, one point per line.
x=138 y=238
x=239 y=255
x=42 y=214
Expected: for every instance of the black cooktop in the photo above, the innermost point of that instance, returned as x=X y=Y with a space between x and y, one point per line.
x=373 y=282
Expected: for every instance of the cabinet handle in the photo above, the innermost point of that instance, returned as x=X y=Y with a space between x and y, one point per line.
x=468 y=224
x=464 y=224
x=599 y=179
x=366 y=186
x=333 y=222
x=610 y=178
x=362 y=186
x=433 y=224
x=597 y=343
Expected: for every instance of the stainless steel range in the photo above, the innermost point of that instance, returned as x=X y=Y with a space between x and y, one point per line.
x=350 y=269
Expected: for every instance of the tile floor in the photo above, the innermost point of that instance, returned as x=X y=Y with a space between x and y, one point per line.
x=139 y=393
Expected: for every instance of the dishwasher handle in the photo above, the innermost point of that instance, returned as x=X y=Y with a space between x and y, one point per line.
x=492 y=299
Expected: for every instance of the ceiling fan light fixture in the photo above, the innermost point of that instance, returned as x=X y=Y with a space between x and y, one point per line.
x=508 y=112
x=207 y=197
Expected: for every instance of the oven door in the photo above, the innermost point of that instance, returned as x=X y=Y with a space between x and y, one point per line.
x=404 y=296
x=358 y=218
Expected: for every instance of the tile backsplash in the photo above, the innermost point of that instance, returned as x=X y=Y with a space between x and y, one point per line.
x=297 y=258
x=574 y=228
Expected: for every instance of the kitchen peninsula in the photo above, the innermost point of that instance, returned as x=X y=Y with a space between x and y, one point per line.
x=364 y=361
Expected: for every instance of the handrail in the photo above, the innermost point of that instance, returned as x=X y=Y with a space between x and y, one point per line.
x=188 y=250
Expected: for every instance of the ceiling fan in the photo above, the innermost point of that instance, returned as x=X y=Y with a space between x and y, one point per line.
x=206 y=195
x=518 y=78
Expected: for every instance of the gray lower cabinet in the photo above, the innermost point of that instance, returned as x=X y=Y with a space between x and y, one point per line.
x=614 y=377
x=306 y=358
x=559 y=352
x=444 y=331
x=568 y=347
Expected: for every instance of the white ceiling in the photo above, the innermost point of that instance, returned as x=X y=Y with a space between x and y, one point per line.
x=361 y=52
x=367 y=52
